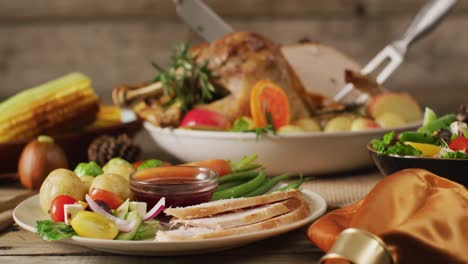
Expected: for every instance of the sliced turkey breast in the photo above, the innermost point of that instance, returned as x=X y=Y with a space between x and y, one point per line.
x=243 y=217
x=221 y=206
x=196 y=233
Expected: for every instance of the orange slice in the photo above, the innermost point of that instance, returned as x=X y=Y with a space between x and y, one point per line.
x=268 y=97
x=427 y=150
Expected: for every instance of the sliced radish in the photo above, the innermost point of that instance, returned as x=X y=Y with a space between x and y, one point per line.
x=156 y=210
x=124 y=226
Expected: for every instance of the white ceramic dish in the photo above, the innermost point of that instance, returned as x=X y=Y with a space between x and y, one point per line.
x=306 y=152
x=28 y=212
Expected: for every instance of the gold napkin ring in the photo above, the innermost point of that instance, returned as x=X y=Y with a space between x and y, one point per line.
x=359 y=247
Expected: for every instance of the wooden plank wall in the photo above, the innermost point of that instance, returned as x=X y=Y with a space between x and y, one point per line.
x=114 y=41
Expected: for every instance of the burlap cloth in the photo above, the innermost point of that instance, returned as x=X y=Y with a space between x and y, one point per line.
x=343 y=189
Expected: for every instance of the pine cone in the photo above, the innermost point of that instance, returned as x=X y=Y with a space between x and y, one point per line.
x=105 y=148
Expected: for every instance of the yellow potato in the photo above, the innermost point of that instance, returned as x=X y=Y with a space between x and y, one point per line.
x=308 y=124
x=119 y=166
x=113 y=183
x=58 y=182
x=87 y=180
x=289 y=129
x=389 y=120
x=339 y=123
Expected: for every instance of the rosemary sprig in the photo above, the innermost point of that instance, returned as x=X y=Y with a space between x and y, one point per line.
x=241 y=125
x=186 y=80
x=269 y=128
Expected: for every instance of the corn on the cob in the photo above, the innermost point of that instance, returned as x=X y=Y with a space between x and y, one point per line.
x=64 y=103
x=108 y=115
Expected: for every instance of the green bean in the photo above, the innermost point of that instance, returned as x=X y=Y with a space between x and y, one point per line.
x=242 y=189
x=439 y=123
x=244 y=162
x=268 y=185
x=236 y=176
x=228 y=185
x=418 y=137
x=292 y=185
x=249 y=167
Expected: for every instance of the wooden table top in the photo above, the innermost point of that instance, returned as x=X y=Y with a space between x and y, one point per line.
x=20 y=246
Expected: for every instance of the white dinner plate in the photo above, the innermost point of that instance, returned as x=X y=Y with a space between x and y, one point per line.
x=302 y=152
x=28 y=212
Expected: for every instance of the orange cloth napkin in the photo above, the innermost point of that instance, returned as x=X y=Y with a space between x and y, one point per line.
x=421 y=217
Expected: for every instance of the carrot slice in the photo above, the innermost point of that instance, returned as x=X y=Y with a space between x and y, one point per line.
x=222 y=167
x=166 y=173
x=266 y=96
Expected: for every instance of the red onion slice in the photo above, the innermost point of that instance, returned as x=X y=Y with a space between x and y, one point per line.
x=156 y=210
x=124 y=226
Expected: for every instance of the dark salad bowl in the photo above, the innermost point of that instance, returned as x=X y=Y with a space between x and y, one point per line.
x=453 y=169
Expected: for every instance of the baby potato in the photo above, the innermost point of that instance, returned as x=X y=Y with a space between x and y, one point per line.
x=389 y=119
x=113 y=183
x=120 y=167
x=87 y=180
x=308 y=124
x=289 y=129
x=339 y=123
x=58 y=182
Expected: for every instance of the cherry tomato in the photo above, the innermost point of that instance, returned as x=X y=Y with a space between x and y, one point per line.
x=94 y=225
x=137 y=164
x=460 y=143
x=109 y=198
x=57 y=211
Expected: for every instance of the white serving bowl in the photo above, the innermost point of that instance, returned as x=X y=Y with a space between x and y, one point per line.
x=305 y=152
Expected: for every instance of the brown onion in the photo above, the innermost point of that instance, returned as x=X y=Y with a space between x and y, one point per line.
x=38 y=159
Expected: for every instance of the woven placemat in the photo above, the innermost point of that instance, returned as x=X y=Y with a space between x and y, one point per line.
x=342 y=190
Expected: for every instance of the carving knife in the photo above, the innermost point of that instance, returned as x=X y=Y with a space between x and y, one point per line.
x=202 y=19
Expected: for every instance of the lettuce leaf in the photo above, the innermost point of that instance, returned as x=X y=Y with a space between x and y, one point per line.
x=390 y=145
x=455 y=155
x=52 y=231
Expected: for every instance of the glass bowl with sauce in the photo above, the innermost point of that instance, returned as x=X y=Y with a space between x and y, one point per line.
x=180 y=185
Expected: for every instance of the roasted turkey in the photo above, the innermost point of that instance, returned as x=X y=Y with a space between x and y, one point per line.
x=308 y=73
x=241 y=59
x=238 y=61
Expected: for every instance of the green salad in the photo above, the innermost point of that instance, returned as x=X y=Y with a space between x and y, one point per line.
x=439 y=137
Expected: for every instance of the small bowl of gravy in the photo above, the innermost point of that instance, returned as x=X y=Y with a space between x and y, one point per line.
x=180 y=185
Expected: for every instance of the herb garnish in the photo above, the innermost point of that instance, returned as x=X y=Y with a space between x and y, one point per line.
x=186 y=80
x=240 y=125
x=243 y=125
x=52 y=231
x=269 y=128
